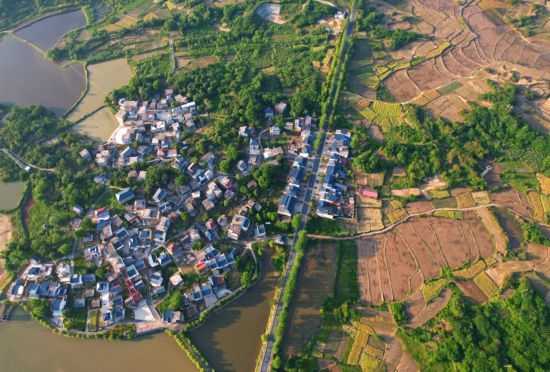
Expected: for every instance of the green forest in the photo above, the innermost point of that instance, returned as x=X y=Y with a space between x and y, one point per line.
x=504 y=334
x=454 y=149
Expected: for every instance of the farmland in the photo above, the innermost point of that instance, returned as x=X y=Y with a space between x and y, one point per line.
x=315 y=283
x=464 y=46
x=397 y=263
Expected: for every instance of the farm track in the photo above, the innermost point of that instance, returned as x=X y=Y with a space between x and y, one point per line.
x=427 y=213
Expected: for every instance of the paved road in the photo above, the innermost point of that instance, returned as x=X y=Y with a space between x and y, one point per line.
x=267 y=356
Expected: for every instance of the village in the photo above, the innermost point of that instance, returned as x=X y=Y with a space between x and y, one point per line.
x=138 y=262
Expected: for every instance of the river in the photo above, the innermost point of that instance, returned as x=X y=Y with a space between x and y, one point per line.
x=230 y=339
x=27 y=346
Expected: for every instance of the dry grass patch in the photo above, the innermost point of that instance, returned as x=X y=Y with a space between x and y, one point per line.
x=455 y=215
x=431 y=290
x=465 y=200
x=397 y=211
x=481 y=197
x=486 y=284
x=535 y=201
x=438 y=194
x=544 y=183
x=470 y=272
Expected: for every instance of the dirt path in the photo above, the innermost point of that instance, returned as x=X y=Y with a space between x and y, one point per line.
x=427 y=213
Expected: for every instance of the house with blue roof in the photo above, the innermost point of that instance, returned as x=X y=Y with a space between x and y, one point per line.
x=125 y=195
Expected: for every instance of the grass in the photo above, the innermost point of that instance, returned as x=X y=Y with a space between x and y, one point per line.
x=324 y=226
x=385 y=109
x=438 y=51
x=359 y=343
x=465 y=200
x=535 y=201
x=374 y=351
x=449 y=88
x=414 y=348
x=346 y=286
x=431 y=290
x=455 y=215
x=486 y=284
x=77 y=320
x=93 y=321
x=368 y=363
x=481 y=197
x=470 y=272
x=439 y=194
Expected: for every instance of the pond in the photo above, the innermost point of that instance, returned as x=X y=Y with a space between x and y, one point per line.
x=99 y=126
x=27 y=346
x=103 y=78
x=27 y=78
x=231 y=339
x=47 y=32
x=10 y=194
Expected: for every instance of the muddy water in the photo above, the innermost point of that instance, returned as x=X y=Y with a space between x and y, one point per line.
x=99 y=125
x=27 y=346
x=47 y=32
x=103 y=78
x=27 y=77
x=230 y=339
x=10 y=194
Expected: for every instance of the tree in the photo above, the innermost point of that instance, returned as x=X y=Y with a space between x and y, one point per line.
x=296 y=221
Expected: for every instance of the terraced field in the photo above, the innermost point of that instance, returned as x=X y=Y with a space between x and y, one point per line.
x=392 y=265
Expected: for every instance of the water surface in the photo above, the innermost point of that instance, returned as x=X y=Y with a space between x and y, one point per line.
x=47 y=32
x=10 y=194
x=103 y=78
x=27 y=78
x=99 y=126
x=231 y=338
x=27 y=346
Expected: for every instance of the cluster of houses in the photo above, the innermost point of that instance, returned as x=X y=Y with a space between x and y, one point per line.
x=332 y=196
x=287 y=203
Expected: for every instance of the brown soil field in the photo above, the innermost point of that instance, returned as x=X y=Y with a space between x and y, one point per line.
x=426 y=259
x=407 y=364
x=392 y=266
x=369 y=253
x=482 y=237
x=401 y=266
x=472 y=291
x=6 y=233
x=537 y=252
x=394 y=353
x=502 y=270
x=478 y=40
x=452 y=241
x=419 y=207
x=513 y=200
x=424 y=231
x=316 y=282
x=511 y=226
